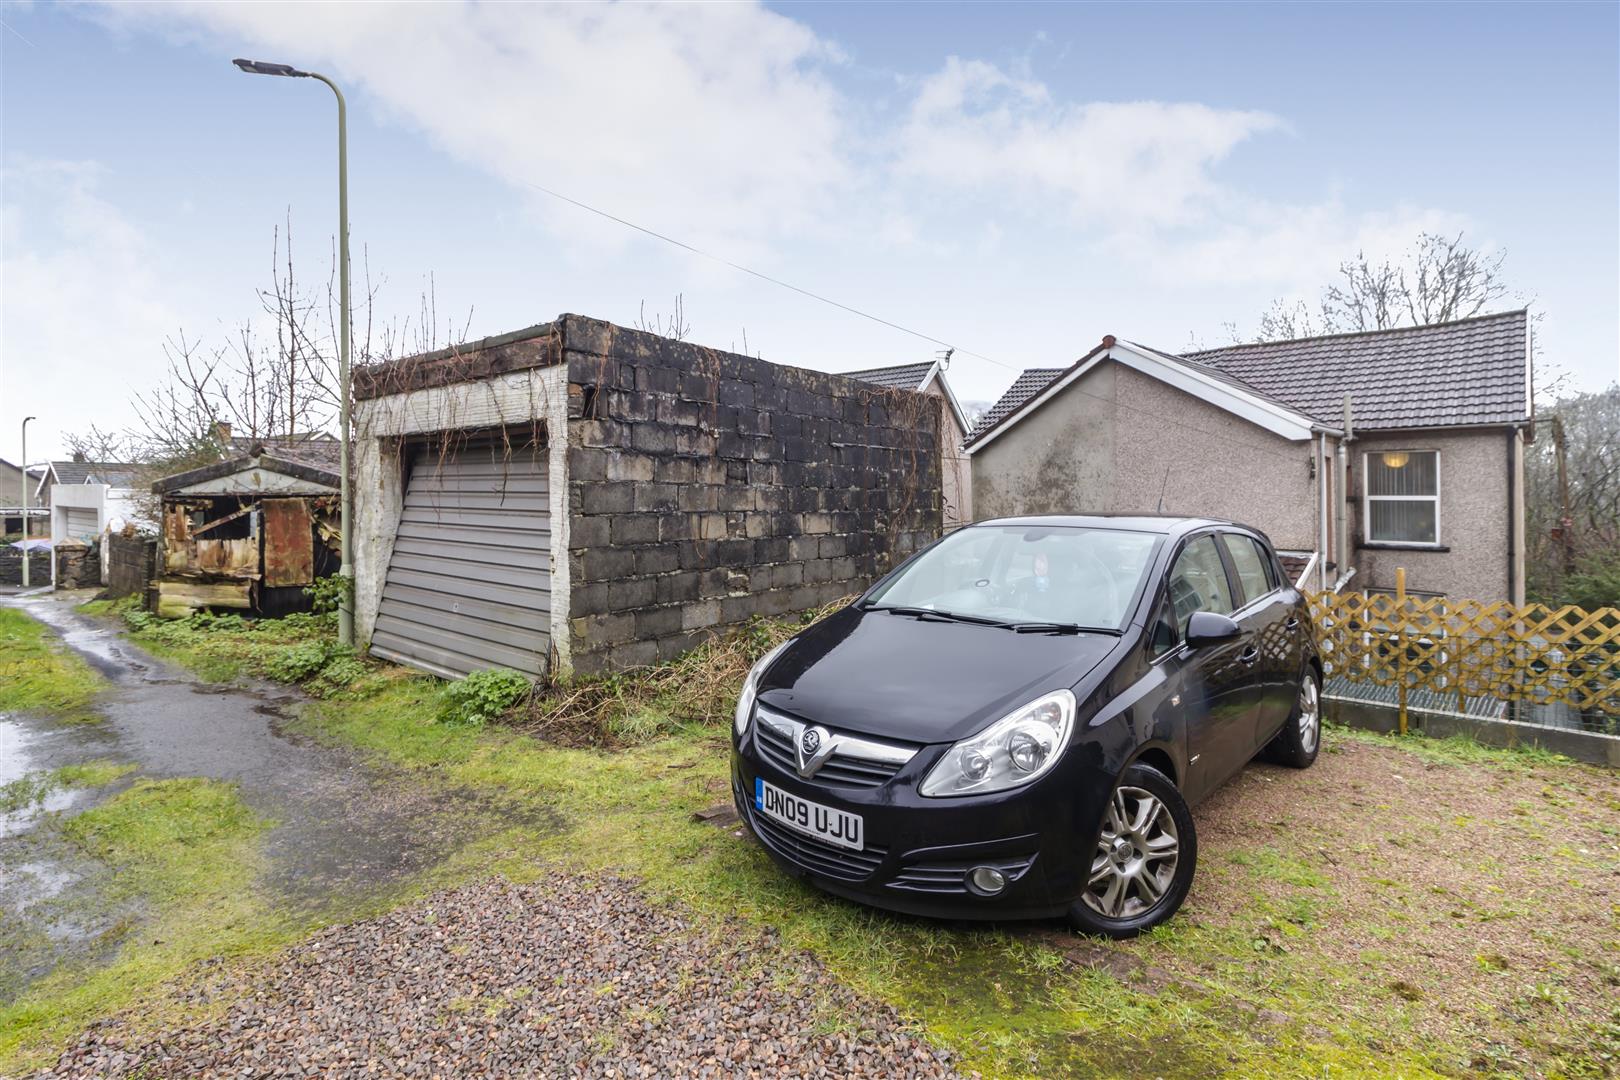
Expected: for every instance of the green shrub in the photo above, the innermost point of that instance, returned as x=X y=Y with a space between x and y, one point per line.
x=482 y=696
x=328 y=593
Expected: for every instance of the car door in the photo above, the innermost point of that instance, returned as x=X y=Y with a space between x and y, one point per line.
x=1267 y=614
x=1218 y=689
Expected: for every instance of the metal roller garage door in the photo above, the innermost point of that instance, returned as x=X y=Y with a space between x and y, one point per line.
x=81 y=522
x=469 y=583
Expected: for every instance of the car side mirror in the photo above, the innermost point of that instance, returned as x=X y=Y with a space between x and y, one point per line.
x=1209 y=628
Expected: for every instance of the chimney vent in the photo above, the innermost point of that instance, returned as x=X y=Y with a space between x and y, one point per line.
x=222 y=432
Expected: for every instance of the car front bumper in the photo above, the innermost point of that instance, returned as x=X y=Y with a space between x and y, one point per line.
x=919 y=852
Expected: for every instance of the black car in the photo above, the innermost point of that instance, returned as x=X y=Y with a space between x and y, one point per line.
x=1015 y=721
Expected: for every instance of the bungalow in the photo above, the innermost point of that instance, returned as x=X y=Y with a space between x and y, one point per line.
x=1357 y=453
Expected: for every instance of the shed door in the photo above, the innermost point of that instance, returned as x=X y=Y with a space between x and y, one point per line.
x=469 y=583
x=82 y=522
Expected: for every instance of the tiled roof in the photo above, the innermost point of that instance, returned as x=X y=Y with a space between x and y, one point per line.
x=900 y=377
x=1466 y=372
x=112 y=473
x=1026 y=386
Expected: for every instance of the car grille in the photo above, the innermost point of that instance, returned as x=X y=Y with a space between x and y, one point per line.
x=951 y=877
x=813 y=855
x=777 y=748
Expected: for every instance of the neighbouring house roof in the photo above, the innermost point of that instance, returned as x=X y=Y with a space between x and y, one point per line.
x=1198 y=380
x=112 y=473
x=1470 y=372
x=899 y=377
x=912 y=377
x=1465 y=373
x=1026 y=386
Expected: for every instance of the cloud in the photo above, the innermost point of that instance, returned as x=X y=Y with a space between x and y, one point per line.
x=973 y=126
x=715 y=122
x=82 y=286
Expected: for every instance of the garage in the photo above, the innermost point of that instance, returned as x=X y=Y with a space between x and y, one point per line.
x=469 y=579
x=82 y=522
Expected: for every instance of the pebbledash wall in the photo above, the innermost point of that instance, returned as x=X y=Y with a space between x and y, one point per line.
x=695 y=488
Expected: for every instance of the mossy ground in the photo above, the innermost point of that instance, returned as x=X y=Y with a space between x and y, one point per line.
x=37 y=672
x=1283 y=963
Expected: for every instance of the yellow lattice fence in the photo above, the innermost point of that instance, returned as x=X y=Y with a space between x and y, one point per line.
x=1465 y=649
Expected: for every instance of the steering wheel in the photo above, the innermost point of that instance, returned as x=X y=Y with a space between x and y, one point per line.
x=1107 y=577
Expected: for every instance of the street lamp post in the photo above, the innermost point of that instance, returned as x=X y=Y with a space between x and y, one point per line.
x=26 y=554
x=346 y=569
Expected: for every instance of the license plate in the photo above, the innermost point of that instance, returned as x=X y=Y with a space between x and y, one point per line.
x=801 y=815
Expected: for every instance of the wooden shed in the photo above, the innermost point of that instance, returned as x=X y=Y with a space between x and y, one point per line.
x=251 y=532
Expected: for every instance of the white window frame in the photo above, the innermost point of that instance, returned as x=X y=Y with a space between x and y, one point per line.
x=1367 y=498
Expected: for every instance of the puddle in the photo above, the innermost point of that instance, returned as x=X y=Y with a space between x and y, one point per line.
x=346 y=828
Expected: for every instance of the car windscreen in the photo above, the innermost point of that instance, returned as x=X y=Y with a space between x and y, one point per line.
x=1027 y=574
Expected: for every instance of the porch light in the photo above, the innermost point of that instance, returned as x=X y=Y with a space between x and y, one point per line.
x=1396 y=459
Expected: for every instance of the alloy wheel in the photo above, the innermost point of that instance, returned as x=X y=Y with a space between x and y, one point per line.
x=1136 y=855
x=1310 y=715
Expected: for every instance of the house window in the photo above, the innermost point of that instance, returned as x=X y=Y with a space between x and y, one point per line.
x=1403 y=496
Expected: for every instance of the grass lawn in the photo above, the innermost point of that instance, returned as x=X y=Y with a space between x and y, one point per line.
x=1405 y=907
x=38 y=673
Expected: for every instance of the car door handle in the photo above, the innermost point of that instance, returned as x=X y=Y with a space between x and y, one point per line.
x=1250 y=655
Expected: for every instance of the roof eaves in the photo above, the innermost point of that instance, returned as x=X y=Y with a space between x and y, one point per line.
x=1038 y=398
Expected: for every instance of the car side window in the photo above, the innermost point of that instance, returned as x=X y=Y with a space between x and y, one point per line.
x=1249 y=560
x=1198 y=583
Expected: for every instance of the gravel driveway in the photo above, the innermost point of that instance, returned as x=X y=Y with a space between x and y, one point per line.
x=563 y=977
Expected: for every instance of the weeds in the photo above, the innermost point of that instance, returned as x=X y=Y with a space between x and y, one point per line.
x=482 y=696
x=633 y=707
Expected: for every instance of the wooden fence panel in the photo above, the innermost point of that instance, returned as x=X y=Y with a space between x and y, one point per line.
x=1469 y=648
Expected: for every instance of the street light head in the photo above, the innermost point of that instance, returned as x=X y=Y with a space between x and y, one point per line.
x=261 y=67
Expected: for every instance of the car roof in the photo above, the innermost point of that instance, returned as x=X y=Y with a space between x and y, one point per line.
x=1165 y=524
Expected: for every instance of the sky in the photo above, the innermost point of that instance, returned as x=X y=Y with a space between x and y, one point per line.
x=1017 y=181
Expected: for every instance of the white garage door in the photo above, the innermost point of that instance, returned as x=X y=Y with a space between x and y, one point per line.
x=82 y=522
x=469 y=583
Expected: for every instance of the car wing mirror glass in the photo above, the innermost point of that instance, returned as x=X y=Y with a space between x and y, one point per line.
x=1209 y=628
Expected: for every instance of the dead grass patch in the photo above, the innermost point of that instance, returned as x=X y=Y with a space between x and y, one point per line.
x=633 y=707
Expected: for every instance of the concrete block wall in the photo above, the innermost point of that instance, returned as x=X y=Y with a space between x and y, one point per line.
x=705 y=488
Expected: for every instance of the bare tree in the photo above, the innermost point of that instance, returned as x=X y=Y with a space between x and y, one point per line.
x=1440 y=279
x=1573 y=501
x=265 y=384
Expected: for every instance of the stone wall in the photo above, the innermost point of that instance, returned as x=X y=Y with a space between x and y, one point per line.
x=706 y=487
x=78 y=566
x=129 y=564
x=11 y=560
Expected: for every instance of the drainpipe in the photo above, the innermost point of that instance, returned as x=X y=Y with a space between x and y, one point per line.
x=1515 y=596
x=1321 y=511
x=1341 y=541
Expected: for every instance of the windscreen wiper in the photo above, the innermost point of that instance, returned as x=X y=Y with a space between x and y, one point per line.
x=932 y=613
x=1058 y=628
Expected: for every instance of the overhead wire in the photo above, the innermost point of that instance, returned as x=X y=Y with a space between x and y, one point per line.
x=956 y=349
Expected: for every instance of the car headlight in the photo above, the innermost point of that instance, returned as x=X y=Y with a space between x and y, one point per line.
x=1012 y=751
x=750 y=688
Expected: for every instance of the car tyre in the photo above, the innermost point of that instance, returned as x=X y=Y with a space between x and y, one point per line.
x=1143 y=864
x=1300 y=740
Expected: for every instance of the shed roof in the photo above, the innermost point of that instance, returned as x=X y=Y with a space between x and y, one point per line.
x=1469 y=372
x=258 y=458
